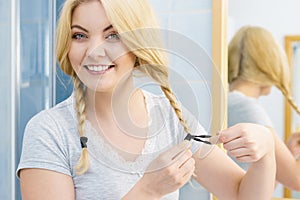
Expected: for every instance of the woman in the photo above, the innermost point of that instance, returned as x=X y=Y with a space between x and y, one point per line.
x=255 y=64
x=121 y=160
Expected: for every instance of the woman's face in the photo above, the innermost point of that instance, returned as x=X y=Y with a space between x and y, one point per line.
x=97 y=54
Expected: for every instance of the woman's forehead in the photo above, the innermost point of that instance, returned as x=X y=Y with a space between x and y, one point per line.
x=90 y=15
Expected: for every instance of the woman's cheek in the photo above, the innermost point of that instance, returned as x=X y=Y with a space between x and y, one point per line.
x=76 y=55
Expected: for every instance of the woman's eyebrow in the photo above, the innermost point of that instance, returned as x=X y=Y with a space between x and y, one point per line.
x=107 y=28
x=79 y=27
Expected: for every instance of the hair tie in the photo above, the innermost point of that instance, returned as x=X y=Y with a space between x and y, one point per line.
x=83 y=141
x=199 y=138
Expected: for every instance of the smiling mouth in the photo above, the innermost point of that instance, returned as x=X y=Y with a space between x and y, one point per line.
x=98 y=68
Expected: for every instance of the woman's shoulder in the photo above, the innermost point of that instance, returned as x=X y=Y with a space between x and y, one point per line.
x=49 y=140
x=59 y=114
x=154 y=98
x=238 y=99
x=244 y=109
x=65 y=106
x=233 y=95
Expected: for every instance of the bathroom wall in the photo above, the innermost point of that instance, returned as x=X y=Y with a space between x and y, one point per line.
x=192 y=20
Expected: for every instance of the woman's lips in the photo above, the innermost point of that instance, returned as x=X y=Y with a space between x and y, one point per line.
x=98 y=69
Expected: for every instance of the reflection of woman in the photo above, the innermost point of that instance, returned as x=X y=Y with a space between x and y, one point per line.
x=93 y=39
x=255 y=64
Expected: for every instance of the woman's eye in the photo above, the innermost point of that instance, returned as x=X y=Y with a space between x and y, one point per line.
x=79 y=36
x=113 y=37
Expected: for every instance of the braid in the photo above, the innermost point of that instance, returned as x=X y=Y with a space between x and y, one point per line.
x=170 y=95
x=289 y=98
x=83 y=163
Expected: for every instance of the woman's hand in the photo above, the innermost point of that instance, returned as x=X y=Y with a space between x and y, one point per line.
x=168 y=172
x=293 y=144
x=247 y=142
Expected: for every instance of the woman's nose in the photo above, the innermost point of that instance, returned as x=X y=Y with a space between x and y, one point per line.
x=97 y=49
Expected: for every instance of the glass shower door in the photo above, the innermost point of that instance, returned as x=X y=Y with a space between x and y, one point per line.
x=37 y=19
x=26 y=79
x=6 y=124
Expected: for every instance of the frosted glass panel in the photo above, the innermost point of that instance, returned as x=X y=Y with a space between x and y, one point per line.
x=5 y=106
x=35 y=64
x=31 y=90
x=36 y=40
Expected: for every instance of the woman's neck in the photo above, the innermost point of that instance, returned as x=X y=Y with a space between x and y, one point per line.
x=248 y=88
x=124 y=108
x=104 y=104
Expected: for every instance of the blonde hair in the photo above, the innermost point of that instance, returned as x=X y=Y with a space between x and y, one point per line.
x=254 y=55
x=136 y=23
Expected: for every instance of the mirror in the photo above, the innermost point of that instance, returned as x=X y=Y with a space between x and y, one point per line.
x=279 y=17
x=292 y=119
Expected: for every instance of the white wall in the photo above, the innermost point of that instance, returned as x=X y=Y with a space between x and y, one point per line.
x=192 y=21
x=281 y=17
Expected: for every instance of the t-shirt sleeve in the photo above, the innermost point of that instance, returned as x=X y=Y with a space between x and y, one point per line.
x=43 y=146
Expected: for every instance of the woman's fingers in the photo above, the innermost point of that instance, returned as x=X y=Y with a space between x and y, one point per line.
x=231 y=133
x=247 y=142
x=170 y=170
x=169 y=157
x=239 y=152
x=189 y=172
x=294 y=139
x=177 y=150
x=293 y=143
x=233 y=144
x=244 y=154
x=182 y=159
x=188 y=167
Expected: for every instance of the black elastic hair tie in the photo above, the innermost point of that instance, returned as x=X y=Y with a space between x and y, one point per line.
x=83 y=141
x=190 y=137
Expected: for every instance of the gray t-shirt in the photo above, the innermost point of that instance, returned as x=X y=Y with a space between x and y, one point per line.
x=244 y=109
x=51 y=141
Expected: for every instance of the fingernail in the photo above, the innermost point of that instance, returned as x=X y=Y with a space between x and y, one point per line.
x=214 y=140
x=222 y=138
x=194 y=175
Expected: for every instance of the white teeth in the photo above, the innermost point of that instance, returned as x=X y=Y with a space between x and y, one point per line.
x=97 y=68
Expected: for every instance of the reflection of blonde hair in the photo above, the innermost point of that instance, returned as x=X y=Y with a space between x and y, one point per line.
x=254 y=55
x=136 y=23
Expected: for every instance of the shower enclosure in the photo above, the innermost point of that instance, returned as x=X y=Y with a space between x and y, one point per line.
x=28 y=81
